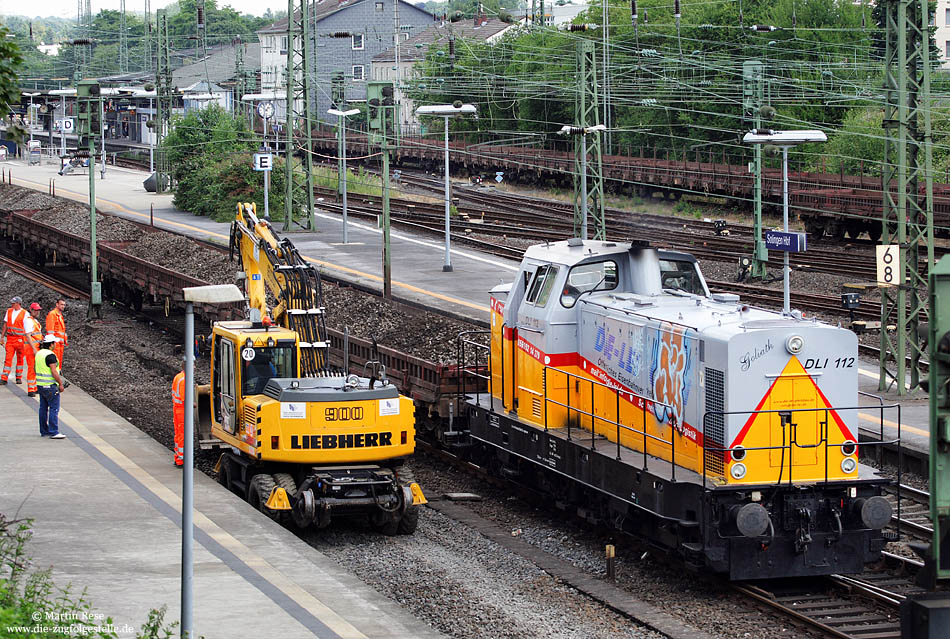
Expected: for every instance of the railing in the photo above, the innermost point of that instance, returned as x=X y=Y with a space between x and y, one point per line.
x=785 y=417
x=642 y=402
x=475 y=369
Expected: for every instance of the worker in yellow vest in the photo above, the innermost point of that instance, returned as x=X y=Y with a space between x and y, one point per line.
x=33 y=338
x=178 y=415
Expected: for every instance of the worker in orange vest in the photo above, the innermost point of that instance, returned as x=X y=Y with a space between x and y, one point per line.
x=178 y=414
x=32 y=338
x=12 y=332
x=56 y=325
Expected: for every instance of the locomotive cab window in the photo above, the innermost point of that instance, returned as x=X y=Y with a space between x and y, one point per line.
x=268 y=362
x=540 y=288
x=596 y=276
x=681 y=275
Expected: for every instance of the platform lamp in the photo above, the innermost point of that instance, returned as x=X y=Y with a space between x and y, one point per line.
x=784 y=140
x=582 y=131
x=342 y=115
x=447 y=111
x=206 y=295
x=32 y=114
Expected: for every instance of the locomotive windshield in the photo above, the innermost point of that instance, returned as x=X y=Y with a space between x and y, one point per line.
x=595 y=276
x=681 y=275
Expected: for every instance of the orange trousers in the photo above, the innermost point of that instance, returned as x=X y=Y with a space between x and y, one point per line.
x=58 y=349
x=179 y=416
x=19 y=350
x=30 y=368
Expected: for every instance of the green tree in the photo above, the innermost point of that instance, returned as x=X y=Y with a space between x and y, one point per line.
x=205 y=135
x=10 y=61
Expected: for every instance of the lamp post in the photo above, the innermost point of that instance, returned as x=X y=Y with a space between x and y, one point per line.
x=342 y=115
x=31 y=96
x=582 y=131
x=447 y=111
x=784 y=140
x=217 y=294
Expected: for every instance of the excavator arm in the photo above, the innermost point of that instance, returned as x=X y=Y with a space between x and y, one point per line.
x=274 y=265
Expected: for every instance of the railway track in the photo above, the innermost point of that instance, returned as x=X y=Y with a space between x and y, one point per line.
x=911 y=511
x=60 y=286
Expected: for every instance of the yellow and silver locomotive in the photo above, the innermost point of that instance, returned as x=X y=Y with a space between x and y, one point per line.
x=723 y=432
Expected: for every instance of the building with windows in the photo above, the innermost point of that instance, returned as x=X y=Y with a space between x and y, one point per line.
x=942 y=32
x=480 y=28
x=347 y=35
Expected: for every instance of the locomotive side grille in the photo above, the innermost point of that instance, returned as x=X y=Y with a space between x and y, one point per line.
x=536 y=407
x=250 y=417
x=714 y=424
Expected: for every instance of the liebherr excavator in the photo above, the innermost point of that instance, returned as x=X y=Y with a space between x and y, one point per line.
x=307 y=443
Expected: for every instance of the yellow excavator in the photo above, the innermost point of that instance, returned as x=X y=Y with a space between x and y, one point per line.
x=306 y=443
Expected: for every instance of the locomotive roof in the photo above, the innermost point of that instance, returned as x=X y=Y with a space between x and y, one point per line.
x=712 y=315
x=575 y=250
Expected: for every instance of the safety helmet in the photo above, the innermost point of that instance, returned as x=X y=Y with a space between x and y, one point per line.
x=35 y=306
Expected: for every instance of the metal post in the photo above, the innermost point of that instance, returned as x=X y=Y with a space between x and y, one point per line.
x=785 y=270
x=31 y=121
x=187 y=480
x=584 y=202
x=267 y=195
x=102 y=136
x=447 y=266
x=95 y=301
x=343 y=147
x=151 y=139
x=62 y=129
x=387 y=264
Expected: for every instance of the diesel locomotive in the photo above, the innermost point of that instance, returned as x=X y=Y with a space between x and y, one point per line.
x=724 y=433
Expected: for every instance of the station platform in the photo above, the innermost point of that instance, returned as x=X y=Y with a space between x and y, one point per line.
x=416 y=267
x=106 y=510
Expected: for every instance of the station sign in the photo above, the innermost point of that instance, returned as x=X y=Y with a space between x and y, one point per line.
x=66 y=126
x=263 y=161
x=790 y=242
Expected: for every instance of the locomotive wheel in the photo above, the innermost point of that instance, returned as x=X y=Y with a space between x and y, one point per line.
x=258 y=491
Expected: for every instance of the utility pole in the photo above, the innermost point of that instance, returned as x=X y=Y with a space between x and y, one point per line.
x=753 y=99
x=299 y=179
x=606 y=66
x=383 y=123
x=163 y=94
x=587 y=116
x=89 y=119
x=201 y=38
x=123 y=40
x=240 y=84
x=907 y=219
x=147 y=64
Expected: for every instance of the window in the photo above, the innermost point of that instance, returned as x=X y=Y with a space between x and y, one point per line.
x=380 y=6
x=681 y=275
x=268 y=362
x=357 y=41
x=594 y=276
x=946 y=18
x=541 y=286
x=946 y=49
x=283 y=45
x=358 y=73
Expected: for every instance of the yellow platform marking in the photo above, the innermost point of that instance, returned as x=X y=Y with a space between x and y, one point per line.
x=877 y=420
x=323 y=263
x=260 y=565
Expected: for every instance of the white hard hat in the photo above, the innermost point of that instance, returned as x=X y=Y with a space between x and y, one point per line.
x=50 y=338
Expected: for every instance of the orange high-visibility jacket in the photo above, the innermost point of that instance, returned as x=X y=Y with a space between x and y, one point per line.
x=14 y=321
x=33 y=331
x=56 y=324
x=178 y=396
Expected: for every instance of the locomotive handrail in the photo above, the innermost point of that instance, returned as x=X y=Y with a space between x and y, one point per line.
x=618 y=392
x=465 y=371
x=792 y=441
x=880 y=449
